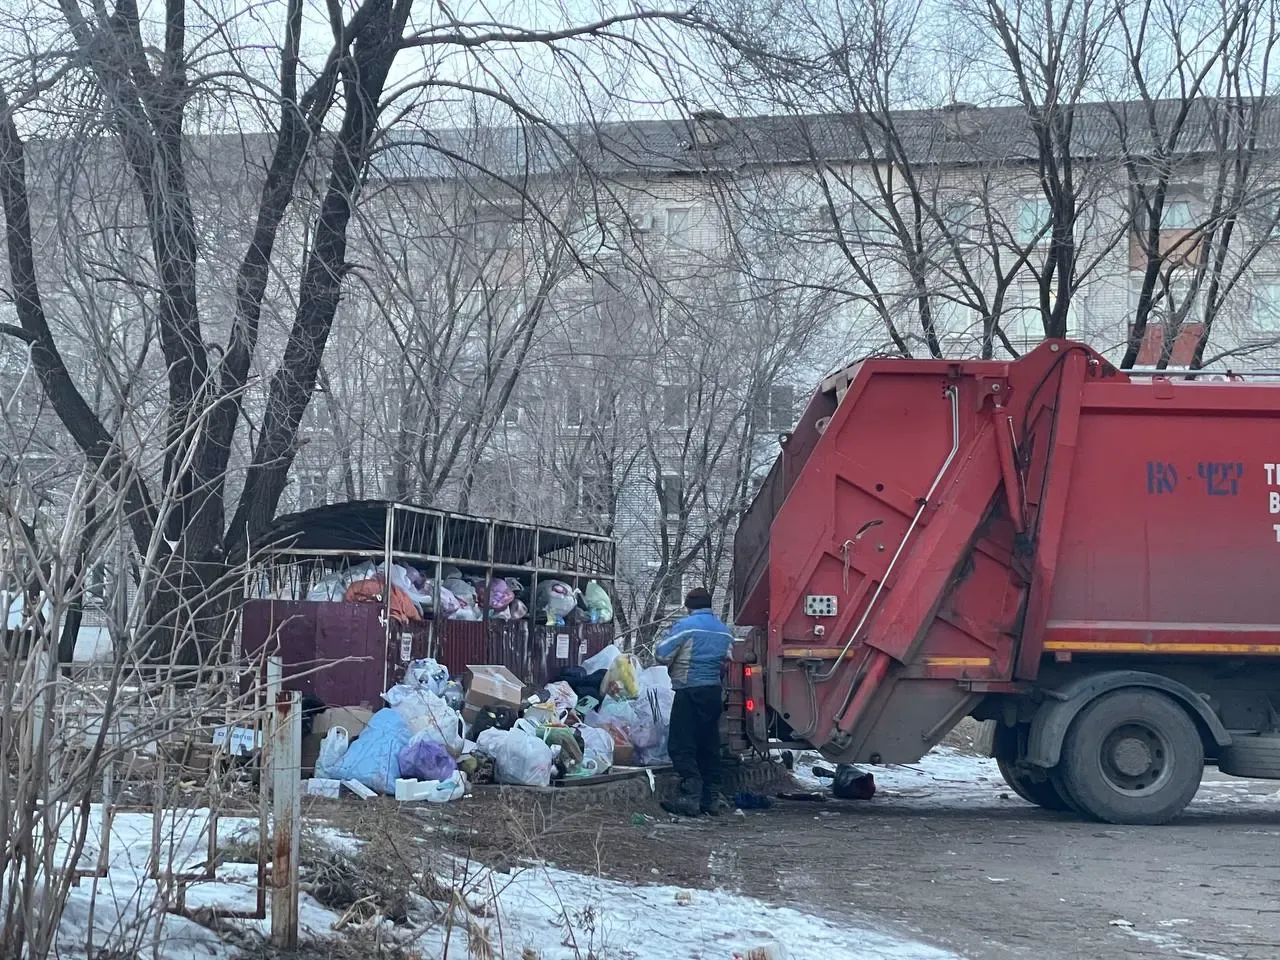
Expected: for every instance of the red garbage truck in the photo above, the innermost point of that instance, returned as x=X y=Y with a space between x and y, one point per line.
x=1089 y=558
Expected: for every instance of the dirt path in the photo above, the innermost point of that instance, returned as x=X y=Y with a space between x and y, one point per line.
x=944 y=854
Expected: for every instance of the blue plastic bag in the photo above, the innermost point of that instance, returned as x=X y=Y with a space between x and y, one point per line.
x=425 y=758
x=374 y=757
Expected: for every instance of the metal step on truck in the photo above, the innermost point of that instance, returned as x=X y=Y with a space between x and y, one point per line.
x=1089 y=558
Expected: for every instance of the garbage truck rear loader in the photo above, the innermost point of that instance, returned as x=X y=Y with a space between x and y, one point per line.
x=1088 y=558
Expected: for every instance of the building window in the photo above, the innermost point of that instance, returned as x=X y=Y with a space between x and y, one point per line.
x=960 y=218
x=775 y=409
x=1265 y=308
x=673 y=590
x=592 y=495
x=1177 y=215
x=1033 y=219
x=312 y=489
x=675 y=405
x=678 y=224
x=671 y=494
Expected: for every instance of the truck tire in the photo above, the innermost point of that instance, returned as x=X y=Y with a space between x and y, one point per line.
x=1132 y=756
x=1252 y=756
x=1042 y=792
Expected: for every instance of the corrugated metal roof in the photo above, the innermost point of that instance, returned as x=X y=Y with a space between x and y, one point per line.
x=953 y=135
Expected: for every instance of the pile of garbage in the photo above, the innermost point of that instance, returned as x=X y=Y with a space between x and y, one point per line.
x=416 y=596
x=437 y=736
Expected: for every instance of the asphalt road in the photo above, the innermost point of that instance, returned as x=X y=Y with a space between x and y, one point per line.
x=961 y=863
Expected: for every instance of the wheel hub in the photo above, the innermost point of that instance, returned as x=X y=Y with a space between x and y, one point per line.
x=1133 y=758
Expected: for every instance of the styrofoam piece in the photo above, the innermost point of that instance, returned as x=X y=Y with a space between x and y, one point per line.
x=322 y=787
x=359 y=789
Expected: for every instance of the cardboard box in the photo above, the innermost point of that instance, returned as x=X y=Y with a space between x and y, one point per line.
x=353 y=719
x=493 y=685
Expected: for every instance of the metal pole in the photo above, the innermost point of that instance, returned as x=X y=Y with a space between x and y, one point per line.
x=286 y=794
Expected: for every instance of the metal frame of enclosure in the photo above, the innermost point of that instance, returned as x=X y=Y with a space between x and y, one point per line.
x=302 y=547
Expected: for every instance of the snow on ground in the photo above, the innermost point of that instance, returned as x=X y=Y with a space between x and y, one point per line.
x=125 y=905
x=943 y=778
x=560 y=915
x=567 y=916
x=947 y=778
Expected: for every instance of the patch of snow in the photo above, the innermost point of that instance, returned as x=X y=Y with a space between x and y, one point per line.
x=1171 y=943
x=558 y=915
x=945 y=777
x=126 y=906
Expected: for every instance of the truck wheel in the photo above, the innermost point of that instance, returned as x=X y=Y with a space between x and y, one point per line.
x=1132 y=756
x=1004 y=747
x=1252 y=756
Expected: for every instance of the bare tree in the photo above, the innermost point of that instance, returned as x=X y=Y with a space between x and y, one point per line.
x=131 y=99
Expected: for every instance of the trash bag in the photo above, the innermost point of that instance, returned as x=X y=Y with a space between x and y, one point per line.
x=427 y=674
x=424 y=758
x=518 y=610
x=464 y=591
x=500 y=718
x=597 y=749
x=424 y=712
x=563 y=695
x=374 y=757
x=621 y=677
x=602 y=660
x=334 y=586
x=452 y=787
x=555 y=597
x=467 y=612
x=598 y=603
x=501 y=596
x=332 y=749
x=454 y=694
x=850 y=783
x=652 y=726
x=616 y=716
x=449 y=604
x=489 y=740
x=523 y=759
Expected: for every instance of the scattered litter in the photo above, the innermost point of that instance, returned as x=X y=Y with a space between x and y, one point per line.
x=1121 y=923
x=684 y=897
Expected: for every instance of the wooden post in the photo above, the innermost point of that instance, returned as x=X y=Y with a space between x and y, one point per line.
x=286 y=796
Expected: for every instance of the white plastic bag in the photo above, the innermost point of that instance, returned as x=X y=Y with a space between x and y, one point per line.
x=555 y=596
x=332 y=749
x=334 y=586
x=602 y=660
x=523 y=759
x=490 y=740
x=597 y=745
x=428 y=674
x=425 y=713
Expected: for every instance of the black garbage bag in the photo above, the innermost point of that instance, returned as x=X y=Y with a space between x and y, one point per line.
x=850 y=783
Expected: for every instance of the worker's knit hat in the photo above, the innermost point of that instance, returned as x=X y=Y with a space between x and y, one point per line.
x=698 y=599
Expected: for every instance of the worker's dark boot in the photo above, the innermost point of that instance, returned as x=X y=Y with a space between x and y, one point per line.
x=715 y=807
x=685 y=803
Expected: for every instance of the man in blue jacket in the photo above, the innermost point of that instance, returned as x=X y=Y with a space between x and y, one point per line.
x=695 y=651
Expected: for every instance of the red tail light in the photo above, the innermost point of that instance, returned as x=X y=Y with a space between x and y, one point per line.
x=746 y=671
x=751 y=705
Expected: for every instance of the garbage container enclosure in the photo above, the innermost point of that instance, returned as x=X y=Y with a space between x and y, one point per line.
x=365 y=640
